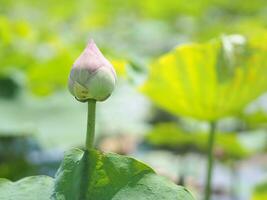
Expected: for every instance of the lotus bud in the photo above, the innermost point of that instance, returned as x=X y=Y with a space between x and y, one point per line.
x=92 y=75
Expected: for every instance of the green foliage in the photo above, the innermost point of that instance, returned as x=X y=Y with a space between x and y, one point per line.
x=30 y=188
x=8 y=88
x=95 y=175
x=256 y=119
x=111 y=176
x=260 y=191
x=211 y=80
x=44 y=36
x=14 y=150
x=170 y=136
x=40 y=39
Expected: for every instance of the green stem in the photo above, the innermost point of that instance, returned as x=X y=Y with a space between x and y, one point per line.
x=211 y=141
x=90 y=134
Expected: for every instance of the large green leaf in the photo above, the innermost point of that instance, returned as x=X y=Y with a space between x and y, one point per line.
x=108 y=176
x=211 y=80
x=30 y=188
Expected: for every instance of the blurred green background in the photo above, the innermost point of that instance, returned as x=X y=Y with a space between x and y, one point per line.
x=39 y=119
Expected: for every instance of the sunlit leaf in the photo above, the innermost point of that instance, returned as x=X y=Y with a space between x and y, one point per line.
x=208 y=81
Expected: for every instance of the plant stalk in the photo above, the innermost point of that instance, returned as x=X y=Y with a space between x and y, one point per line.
x=211 y=141
x=90 y=134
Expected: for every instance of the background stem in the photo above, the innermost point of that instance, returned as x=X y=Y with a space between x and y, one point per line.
x=90 y=134
x=208 y=186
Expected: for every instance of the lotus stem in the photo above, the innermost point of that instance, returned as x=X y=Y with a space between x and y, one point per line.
x=90 y=135
x=211 y=141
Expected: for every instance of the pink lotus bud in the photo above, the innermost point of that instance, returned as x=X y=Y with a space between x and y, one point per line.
x=92 y=75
